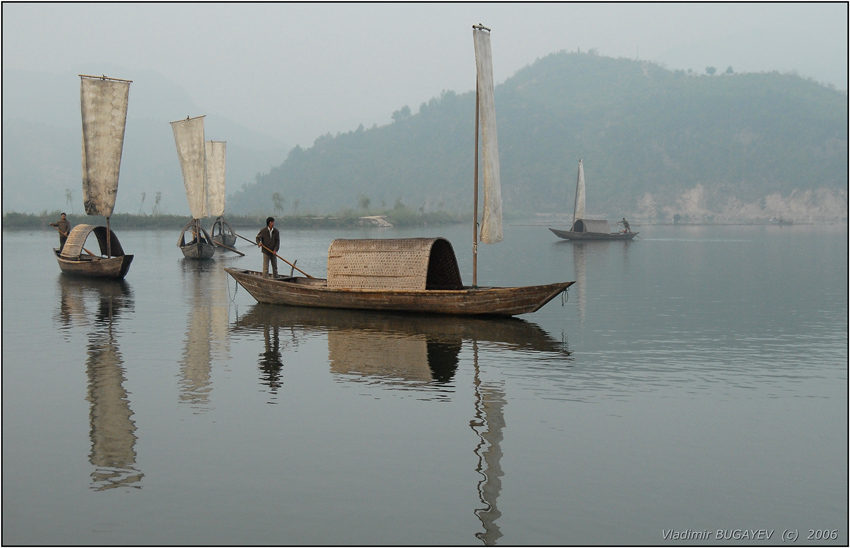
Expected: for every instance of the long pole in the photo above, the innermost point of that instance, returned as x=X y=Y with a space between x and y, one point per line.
x=276 y=255
x=475 y=199
x=219 y=244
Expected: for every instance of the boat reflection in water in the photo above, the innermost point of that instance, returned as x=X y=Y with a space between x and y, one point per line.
x=205 y=285
x=411 y=351
x=97 y=306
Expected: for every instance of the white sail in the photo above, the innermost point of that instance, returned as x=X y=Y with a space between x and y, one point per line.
x=216 y=153
x=189 y=138
x=491 y=224
x=578 y=212
x=103 y=105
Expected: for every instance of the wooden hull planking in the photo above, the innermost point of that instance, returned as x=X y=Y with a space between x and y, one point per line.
x=198 y=250
x=95 y=267
x=313 y=292
x=227 y=239
x=570 y=235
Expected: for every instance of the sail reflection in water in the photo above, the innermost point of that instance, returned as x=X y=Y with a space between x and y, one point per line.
x=97 y=306
x=206 y=332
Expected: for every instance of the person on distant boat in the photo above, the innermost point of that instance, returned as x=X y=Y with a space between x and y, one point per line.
x=269 y=240
x=64 y=227
x=626 y=227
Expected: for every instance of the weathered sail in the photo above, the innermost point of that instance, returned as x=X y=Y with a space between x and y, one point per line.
x=216 y=152
x=491 y=224
x=103 y=104
x=191 y=149
x=578 y=212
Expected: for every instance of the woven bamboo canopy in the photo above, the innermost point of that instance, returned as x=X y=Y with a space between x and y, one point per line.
x=394 y=264
x=77 y=239
x=592 y=225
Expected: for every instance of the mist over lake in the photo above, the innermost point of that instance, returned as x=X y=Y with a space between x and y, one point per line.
x=693 y=382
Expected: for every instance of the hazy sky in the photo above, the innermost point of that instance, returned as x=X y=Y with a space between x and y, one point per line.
x=297 y=71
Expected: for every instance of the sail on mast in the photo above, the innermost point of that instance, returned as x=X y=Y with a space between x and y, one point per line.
x=491 y=224
x=578 y=210
x=191 y=149
x=103 y=105
x=216 y=155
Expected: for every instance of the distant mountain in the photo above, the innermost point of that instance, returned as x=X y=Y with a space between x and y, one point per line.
x=42 y=134
x=655 y=143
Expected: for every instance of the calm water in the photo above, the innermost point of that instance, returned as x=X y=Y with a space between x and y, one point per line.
x=694 y=383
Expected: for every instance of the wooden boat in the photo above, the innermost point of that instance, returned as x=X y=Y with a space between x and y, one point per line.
x=195 y=242
x=589 y=229
x=222 y=233
x=103 y=106
x=584 y=235
x=405 y=275
x=418 y=275
x=74 y=259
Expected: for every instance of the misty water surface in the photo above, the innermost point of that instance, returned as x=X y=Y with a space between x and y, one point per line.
x=694 y=380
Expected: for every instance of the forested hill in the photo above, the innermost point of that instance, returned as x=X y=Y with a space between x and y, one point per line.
x=655 y=143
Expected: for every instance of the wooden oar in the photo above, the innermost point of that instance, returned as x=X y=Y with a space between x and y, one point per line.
x=228 y=247
x=276 y=255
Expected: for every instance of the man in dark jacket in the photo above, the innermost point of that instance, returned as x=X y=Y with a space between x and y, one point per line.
x=269 y=240
x=64 y=227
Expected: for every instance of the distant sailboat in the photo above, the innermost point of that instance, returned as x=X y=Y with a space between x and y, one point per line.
x=103 y=105
x=194 y=242
x=222 y=232
x=589 y=229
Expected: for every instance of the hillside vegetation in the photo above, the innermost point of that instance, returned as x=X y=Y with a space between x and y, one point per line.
x=655 y=143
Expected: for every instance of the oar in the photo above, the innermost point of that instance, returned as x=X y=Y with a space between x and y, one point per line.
x=228 y=247
x=276 y=255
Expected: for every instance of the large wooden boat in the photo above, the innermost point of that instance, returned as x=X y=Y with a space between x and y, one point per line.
x=74 y=259
x=589 y=229
x=418 y=275
x=103 y=107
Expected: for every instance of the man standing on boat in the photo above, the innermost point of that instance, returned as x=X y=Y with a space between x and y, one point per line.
x=626 y=226
x=64 y=227
x=269 y=240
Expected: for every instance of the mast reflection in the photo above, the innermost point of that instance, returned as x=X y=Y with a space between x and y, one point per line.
x=488 y=424
x=112 y=430
x=420 y=352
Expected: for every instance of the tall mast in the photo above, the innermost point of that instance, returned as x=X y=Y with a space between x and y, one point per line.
x=475 y=183
x=475 y=199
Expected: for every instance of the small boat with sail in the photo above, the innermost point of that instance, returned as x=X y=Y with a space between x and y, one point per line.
x=195 y=242
x=221 y=231
x=103 y=105
x=589 y=229
x=417 y=275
